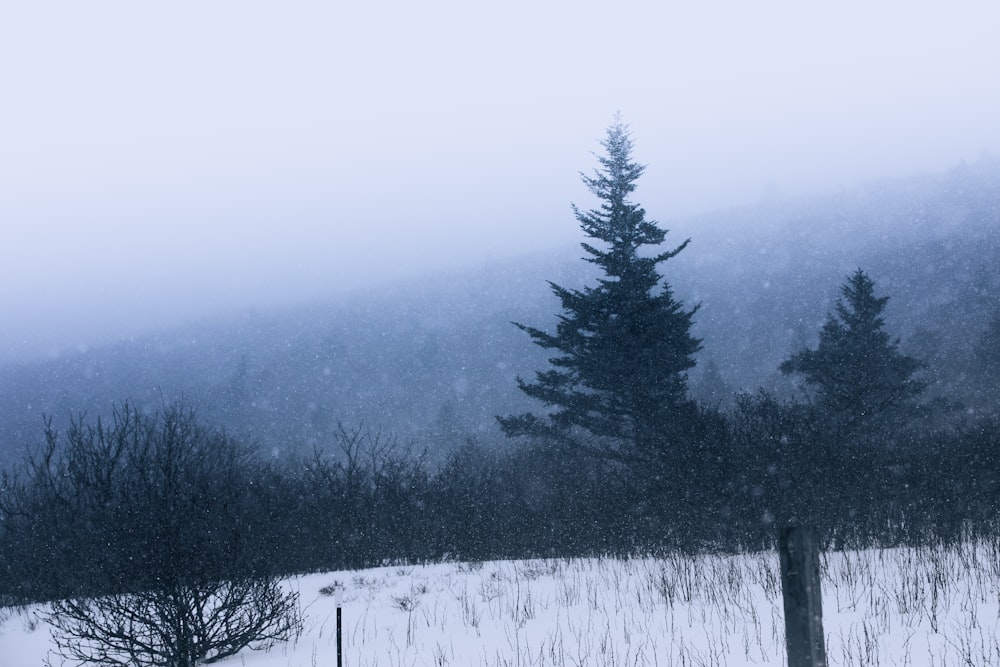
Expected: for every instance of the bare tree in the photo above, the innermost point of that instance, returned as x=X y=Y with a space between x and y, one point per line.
x=180 y=625
x=162 y=549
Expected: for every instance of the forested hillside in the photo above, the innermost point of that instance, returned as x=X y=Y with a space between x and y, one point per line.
x=433 y=361
x=844 y=376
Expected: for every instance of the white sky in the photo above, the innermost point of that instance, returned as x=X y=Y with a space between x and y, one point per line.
x=163 y=161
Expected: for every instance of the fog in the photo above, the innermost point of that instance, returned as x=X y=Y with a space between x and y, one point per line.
x=165 y=163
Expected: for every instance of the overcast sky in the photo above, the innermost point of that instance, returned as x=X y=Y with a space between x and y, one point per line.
x=163 y=161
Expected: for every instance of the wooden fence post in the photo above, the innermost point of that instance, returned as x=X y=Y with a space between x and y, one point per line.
x=800 y=585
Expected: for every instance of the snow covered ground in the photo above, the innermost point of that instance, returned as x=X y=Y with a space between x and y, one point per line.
x=915 y=607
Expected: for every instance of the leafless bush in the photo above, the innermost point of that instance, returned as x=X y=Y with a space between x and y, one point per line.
x=145 y=534
x=178 y=626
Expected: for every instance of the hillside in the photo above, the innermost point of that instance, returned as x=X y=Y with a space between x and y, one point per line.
x=433 y=361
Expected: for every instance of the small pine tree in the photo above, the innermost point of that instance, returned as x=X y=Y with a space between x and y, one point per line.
x=857 y=371
x=711 y=388
x=983 y=375
x=987 y=351
x=624 y=346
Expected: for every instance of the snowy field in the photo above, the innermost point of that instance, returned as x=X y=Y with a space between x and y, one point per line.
x=915 y=607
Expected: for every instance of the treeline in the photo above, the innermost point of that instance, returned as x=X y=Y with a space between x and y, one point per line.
x=619 y=458
x=137 y=500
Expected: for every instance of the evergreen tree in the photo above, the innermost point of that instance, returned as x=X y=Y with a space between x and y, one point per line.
x=983 y=376
x=857 y=371
x=623 y=347
x=711 y=388
x=987 y=352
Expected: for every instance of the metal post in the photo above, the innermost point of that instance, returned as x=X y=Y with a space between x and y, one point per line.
x=800 y=584
x=338 y=596
x=340 y=659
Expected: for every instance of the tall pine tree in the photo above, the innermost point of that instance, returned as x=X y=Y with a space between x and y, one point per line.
x=618 y=380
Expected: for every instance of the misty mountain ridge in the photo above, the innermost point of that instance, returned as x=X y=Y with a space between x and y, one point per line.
x=434 y=360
